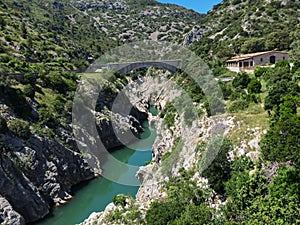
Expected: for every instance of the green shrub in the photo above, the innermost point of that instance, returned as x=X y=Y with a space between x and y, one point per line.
x=189 y=116
x=61 y=82
x=238 y=105
x=29 y=91
x=193 y=214
x=2 y=22
x=168 y=113
x=226 y=89
x=47 y=117
x=251 y=198
x=8 y=38
x=296 y=76
x=5 y=82
x=29 y=79
x=200 y=146
x=59 y=104
x=120 y=200
x=282 y=64
x=254 y=87
x=281 y=142
x=17 y=101
x=214 y=164
x=162 y=212
x=20 y=128
x=4 y=58
x=241 y=80
x=214 y=106
x=261 y=71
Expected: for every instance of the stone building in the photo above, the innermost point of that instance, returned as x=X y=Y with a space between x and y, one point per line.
x=248 y=62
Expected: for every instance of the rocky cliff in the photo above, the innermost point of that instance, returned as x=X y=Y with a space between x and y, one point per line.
x=35 y=174
x=38 y=171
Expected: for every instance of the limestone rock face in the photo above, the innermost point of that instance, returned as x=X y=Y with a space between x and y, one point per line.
x=20 y=192
x=7 y=215
x=195 y=34
x=37 y=173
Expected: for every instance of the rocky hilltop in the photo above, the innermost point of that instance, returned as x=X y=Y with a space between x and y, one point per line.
x=68 y=34
x=239 y=27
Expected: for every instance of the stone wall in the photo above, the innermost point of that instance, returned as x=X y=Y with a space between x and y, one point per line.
x=266 y=57
x=263 y=59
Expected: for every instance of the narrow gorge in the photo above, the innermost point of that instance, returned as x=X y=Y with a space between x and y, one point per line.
x=198 y=123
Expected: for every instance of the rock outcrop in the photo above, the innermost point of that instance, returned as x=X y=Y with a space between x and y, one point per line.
x=195 y=34
x=37 y=173
x=8 y=215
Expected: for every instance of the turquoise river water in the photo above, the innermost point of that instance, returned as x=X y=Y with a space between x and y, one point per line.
x=93 y=196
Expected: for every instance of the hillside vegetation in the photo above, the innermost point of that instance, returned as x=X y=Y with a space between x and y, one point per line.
x=245 y=26
x=44 y=45
x=67 y=34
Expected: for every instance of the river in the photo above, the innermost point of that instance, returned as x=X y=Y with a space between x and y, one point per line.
x=93 y=196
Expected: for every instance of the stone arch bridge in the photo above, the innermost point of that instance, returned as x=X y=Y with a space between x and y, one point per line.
x=126 y=67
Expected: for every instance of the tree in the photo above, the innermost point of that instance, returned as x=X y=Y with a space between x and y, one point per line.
x=295 y=45
x=5 y=82
x=215 y=165
x=29 y=79
x=296 y=66
x=241 y=80
x=253 y=45
x=281 y=142
x=226 y=89
x=194 y=215
x=214 y=105
x=185 y=203
x=283 y=64
x=20 y=128
x=120 y=200
x=276 y=92
x=252 y=199
x=46 y=117
x=29 y=91
x=162 y=212
x=261 y=71
x=254 y=87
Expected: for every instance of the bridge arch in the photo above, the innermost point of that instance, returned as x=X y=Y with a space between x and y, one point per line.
x=126 y=67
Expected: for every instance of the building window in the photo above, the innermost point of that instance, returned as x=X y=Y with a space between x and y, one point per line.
x=261 y=59
x=240 y=64
x=283 y=57
x=251 y=63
